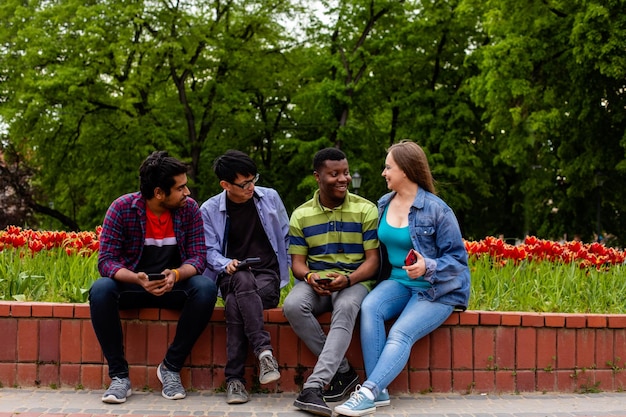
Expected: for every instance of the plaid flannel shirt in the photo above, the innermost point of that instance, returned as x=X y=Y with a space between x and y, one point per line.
x=123 y=235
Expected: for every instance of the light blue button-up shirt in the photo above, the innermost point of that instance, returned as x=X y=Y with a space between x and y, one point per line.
x=273 y=217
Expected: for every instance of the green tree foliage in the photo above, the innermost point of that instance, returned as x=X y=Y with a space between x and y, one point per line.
x=519 y=106
x=554 y=100
x=95 y=86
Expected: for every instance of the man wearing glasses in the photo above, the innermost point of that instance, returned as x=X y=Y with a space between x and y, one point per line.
x=245 y=221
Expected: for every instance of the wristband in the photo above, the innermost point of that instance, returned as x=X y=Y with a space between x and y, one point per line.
x=306 y=276
x=177 y=274
x=348 y=279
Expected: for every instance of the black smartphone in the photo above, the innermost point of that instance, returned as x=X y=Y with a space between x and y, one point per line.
x=156 y=277
x=248 y=262
x=324 y=280
x=411 y=258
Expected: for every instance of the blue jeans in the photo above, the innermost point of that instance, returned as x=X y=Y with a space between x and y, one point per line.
x=195 y=296
x=246 y=294
x=303 y=305
x=385 y=355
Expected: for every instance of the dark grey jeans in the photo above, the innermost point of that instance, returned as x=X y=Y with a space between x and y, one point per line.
x=246 y=294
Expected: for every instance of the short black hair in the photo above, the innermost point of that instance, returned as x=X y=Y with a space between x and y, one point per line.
x=159 y=170
x=232 y=163
x=327 y=154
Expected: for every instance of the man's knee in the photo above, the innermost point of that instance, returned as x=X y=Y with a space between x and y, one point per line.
x=102 y=289
x=205 y=288
x=294 y=304
x=243 y=281
x=350 y=300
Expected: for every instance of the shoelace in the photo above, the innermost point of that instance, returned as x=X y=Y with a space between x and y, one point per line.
x=170 y=378
x=355 y=398
x=237 y=387
x=117 y=383
x=267 y=364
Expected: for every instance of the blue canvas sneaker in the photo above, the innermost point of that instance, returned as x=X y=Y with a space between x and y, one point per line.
x=357 y=405
x=383 y=399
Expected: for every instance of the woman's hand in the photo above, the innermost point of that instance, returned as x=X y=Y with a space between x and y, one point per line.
x=417 y=269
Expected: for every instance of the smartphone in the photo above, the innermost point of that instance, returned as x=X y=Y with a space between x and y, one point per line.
x=248 y=262
x=323 y=278
x=411 y=258
x=156 y=277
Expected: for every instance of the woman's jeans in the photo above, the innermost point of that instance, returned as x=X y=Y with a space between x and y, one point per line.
x=195 y=296
x=386 y=355
x=246 y=294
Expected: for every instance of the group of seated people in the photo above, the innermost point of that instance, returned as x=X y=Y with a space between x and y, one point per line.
x=403 y=260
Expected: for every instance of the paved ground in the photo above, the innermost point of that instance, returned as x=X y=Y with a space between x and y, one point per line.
x=58 y=403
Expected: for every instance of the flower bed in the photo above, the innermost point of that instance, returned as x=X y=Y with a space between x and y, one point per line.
x=536 y=275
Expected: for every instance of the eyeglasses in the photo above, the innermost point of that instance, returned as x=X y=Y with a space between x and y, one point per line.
x=246 y=184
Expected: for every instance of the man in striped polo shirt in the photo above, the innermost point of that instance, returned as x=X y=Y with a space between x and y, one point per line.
x=334 y=252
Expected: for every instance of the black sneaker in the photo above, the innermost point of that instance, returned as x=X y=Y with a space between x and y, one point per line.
x=341 y=385
x=311 y=400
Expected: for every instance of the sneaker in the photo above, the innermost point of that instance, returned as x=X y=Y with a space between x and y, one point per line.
x=118 y=391
x=311 y=400
x=268 y=370
x=383 y=399
x=357 y=405
x=236 y=393
x=172 y=387
x=341 y=385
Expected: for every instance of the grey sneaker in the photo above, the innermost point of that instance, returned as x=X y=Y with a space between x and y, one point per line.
x=268 y=369
x=236 y=393
x=172 y=387
x=118 y=391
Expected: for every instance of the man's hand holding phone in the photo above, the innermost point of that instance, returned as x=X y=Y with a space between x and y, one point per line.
x=318 y=281
x=156 y=277
x=157 y=283
x=247 y=263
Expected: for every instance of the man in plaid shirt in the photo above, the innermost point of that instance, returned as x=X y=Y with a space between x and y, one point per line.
x=152 y=254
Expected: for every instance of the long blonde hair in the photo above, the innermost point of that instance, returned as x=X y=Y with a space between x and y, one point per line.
x=411 y=159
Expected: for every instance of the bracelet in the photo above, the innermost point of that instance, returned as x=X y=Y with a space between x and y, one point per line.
x=348 y=279
x=306 y=276
x=177 y=274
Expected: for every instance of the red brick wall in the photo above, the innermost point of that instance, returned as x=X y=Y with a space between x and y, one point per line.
x=476 y=351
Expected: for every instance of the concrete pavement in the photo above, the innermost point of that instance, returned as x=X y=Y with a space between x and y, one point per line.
x=76 y=403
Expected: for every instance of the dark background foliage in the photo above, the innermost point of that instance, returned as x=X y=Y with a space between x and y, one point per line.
x=520 y=106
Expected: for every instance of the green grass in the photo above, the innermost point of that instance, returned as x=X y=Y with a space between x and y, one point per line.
x=546 y=287
x=527 y=286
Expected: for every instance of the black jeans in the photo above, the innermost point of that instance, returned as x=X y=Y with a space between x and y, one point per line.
x=195 y=296
x=246 y=294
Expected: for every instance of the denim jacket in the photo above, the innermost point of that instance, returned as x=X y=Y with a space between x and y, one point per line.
x=275 y=222
x=435 y=233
